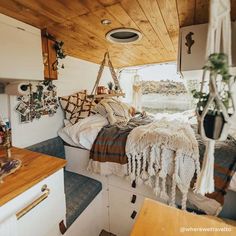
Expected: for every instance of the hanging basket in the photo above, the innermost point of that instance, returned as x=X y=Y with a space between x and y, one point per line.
x=213 y=113
x=214 y=125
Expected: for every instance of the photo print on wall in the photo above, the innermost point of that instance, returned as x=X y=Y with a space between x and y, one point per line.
x=42 y=100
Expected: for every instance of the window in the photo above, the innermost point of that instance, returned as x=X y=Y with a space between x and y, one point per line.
x=163 y=90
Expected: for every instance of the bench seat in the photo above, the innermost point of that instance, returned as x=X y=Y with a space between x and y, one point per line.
x=79 y=190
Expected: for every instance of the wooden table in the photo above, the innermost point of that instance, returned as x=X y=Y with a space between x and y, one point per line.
x=157 y=219
x=35 y=167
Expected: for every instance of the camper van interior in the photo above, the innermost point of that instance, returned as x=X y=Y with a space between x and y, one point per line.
x=117 y=117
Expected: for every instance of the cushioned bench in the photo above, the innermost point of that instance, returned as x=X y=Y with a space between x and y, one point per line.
x=80 y=190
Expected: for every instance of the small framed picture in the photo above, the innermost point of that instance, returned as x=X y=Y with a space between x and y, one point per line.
x=22 y=108
x=25 y=119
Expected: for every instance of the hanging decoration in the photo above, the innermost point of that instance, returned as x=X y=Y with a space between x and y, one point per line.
x=215 y=101
x=58 y=46
x=137 y=93
x=99 y=92
x=60 y=53
x=41 y=100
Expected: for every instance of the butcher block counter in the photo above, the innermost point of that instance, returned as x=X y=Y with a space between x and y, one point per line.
x=156 y=219
x=35 y=167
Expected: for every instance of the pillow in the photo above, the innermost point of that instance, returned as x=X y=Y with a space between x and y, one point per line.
x=77 y=106
x=84 y=132
x=115 y=111
x=83 y=110
x=70 y=103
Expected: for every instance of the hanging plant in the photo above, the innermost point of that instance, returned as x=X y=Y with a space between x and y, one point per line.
x=58 y=46
x=217 y=103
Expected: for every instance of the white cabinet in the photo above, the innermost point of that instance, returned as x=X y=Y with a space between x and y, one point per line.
x=21 y=50
x=122 y=211
x=44 y=218
x=195 y=60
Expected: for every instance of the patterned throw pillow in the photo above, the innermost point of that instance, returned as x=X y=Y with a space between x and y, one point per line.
x=77 y=106
x=83 y=110
x=70 y=103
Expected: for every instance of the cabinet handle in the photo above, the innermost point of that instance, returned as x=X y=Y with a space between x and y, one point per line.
x=134 y=184
x=33 y=204
x=133 y=215
x=133 y=200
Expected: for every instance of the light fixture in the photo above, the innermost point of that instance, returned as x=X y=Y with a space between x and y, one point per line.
x=123 y=35
x=106 y=22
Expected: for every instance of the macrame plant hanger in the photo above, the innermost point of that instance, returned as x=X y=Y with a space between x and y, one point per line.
x=219 y=40
x=114 y=77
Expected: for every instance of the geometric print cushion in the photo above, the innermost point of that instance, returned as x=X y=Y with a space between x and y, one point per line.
x=70 y=103
x=83 y=110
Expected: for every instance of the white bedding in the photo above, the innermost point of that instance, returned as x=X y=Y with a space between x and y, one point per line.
x=83 y=133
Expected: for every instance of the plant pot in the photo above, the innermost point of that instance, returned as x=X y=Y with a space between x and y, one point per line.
x=214 y=125
x=110 y=91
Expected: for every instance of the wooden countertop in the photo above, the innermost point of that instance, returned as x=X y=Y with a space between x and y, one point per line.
x=156 y=219
x=35 y=167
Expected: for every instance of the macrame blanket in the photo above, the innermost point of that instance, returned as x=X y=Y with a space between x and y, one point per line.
x=115 y=111
x=163 y=149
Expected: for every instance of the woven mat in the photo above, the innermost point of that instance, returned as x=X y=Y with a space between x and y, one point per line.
x=8 y=167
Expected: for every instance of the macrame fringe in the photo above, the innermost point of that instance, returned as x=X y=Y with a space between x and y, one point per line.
x=205 y=181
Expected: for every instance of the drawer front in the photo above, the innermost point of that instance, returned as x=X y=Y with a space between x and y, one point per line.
x=125 y=184
x=50 y=211
x=122 y=211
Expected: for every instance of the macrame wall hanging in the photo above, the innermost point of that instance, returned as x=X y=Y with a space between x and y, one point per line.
x=215 y=107
x=118 y=91
x=137 y=93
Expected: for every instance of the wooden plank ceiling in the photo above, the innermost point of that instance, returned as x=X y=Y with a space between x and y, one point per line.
x=78 y=24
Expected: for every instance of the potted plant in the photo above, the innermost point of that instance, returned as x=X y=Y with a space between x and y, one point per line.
x=110 y=87
x=215 y=106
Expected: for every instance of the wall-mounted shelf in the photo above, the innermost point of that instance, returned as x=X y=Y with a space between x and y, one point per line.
x=107 y=95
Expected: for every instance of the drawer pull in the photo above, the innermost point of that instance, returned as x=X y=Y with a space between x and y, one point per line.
x=133 y=200
x=33 y=204
x=133 y=184
x=133 y=215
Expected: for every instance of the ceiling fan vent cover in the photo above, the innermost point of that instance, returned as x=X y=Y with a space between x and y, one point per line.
x=123 y=35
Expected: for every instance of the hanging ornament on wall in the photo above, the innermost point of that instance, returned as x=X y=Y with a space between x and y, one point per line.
x=137 y=92
x=215 y=106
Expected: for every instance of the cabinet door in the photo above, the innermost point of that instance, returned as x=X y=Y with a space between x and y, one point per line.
x=21 y=52
x=49 y=57
x=44 y=217
x=195 y=59
x=121 y=210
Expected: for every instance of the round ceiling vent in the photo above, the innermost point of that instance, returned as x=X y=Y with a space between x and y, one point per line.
x=123 y=35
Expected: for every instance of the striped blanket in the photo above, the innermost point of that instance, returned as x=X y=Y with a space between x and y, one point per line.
x=109 y=145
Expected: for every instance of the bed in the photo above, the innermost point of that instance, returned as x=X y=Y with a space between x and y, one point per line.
x=170 y=156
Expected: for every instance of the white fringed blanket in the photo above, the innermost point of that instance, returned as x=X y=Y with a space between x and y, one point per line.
x=163 y=149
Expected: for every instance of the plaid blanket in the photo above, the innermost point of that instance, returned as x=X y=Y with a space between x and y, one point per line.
x=109 y=145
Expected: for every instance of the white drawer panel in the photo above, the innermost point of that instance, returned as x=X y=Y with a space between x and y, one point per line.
x=126 y=185
x=121 y=209
x=39 y=220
